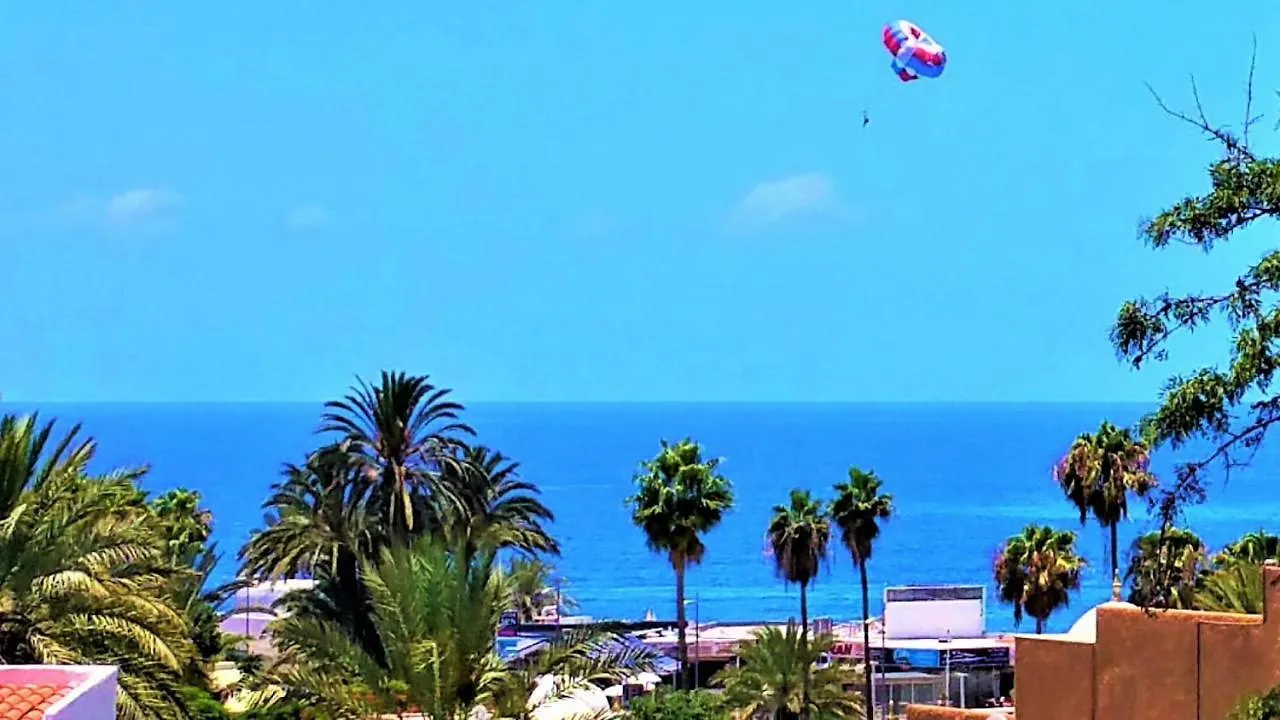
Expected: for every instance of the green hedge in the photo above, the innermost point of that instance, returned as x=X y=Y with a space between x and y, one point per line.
x=679 y=705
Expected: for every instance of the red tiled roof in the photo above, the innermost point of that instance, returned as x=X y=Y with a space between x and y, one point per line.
x=28 y=702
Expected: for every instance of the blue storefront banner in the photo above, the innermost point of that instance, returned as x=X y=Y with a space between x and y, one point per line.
x=928 y=659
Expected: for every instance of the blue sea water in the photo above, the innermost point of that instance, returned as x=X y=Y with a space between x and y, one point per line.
x=964 y=477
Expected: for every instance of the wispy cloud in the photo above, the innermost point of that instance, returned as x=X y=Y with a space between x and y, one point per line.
x=773 y=201
x=307 y=216
x=139 y=207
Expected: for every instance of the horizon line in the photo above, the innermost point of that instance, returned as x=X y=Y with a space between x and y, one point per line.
x=469 y=403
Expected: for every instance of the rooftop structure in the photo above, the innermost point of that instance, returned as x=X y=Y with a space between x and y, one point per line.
x=935 y=611
x=1121 y=661
x=57 y=692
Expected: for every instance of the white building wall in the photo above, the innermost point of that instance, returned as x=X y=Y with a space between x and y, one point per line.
x=922 y=619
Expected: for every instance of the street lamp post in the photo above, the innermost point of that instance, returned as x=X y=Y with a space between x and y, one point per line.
x=947 y=671
x=884 y=684
x=697 y=637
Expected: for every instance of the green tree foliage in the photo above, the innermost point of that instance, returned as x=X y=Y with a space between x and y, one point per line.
x=534 y=587
x=1234 y=588
x=397 y=469
x=1165 y=569
x=858 y=510
x=318 y=527
x=437 y=612
x=1258 y=707
x=86 y=573
x=498 y=509
x=1229 y=406
x=1036 y=572
x=578 y=659
x=768 y=684
x=1255 y=547
x=679 y=705
x=437 y=619
x=679 y=497
x=185 y=529
x=405 y=434
x=799 y=534
x=1099 y=473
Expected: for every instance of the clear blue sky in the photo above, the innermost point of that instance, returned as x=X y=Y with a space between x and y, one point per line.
x=597 y=201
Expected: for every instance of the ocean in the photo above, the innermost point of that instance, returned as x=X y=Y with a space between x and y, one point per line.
x=964 y=477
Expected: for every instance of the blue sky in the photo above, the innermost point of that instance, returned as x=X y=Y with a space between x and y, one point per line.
x=598 y=201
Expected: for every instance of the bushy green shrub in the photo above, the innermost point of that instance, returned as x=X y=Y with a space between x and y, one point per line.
x=202 y=705
x=679 y=705
x=1258 y=707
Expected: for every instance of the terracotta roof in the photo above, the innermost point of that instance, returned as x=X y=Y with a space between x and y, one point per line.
x=28 y=702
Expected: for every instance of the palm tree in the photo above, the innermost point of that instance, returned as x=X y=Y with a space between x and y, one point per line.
x=318 y=527
x=679 y=497
x=530 y=581
x=405 y=433
x=437 y=611
x=188 y=526
x=1036 y=572
x=1164 y=569
x=501 y=510
x=798 y=537
x=437 y=616
x=768 y=682
x=1098 y=474
x=316 y=521
x=84 y=577
x=185 y=529
x=1254 y=547
x=1235 y=588
x=858 y=510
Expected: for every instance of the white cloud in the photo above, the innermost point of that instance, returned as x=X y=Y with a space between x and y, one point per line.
x=141 y=204
x=307 y=216
x=775 y=200
x=130 y=209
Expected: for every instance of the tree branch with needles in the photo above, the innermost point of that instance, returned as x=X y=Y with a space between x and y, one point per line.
x=1230 y=406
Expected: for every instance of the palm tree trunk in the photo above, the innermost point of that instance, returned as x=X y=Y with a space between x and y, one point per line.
x=866 y=642
x=356 y=604
x=682 y=647
x=807 y=670
x=1039 y=626
x=1115 y=552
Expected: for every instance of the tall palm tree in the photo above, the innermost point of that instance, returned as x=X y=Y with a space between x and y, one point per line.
x=1165 y=568
x=858 y=510
x=1099 y=473
x=798 y=537
x=84 y=577
x=1254 y=547
x=405 y=433
x=679 y=497
x=1036 y=572
x=769 y=679
x=500 y=509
